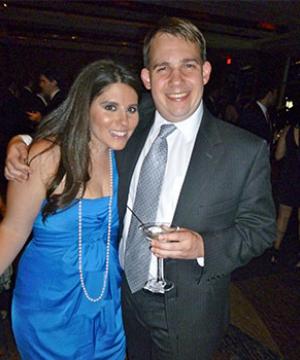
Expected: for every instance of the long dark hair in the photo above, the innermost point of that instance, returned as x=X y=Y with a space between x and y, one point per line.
x=68 y=127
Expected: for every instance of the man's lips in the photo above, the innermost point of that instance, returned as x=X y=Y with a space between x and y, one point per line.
x=178 y=96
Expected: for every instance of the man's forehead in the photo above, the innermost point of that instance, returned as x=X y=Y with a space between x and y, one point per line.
x=170 y=43
x=171 y=60
x=161 y=35
x=43 y=77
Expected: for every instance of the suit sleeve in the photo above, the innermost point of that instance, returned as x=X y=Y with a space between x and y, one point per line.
x=254 y=228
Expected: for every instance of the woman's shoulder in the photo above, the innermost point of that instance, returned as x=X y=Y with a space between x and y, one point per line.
x=44 y=149
x=45 y=155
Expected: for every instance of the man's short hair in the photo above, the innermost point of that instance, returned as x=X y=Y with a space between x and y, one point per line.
x=52 y=74
x=177 y=27
x=263 y=87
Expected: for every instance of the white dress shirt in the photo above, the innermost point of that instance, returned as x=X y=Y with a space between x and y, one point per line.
x=180 y=146
x=264 y=110
x=54 y=93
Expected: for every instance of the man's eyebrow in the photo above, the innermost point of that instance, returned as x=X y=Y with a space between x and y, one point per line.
x=196 y=60
x=183 y=61
x=155 y=66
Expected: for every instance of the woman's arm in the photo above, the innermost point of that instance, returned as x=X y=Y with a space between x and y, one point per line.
x=281 y=145
x=16 y=160
x=23 y=203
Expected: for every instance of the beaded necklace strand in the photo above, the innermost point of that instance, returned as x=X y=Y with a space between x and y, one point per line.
x=107 y=252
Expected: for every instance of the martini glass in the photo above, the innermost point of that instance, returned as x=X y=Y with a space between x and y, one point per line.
x=151 y=231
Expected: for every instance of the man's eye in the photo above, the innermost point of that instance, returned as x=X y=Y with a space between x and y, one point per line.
x=110 y=107
x=161 y=68
x=132 y=109
x=189 y=65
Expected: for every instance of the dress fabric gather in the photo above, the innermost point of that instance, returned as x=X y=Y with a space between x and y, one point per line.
x=52 y=318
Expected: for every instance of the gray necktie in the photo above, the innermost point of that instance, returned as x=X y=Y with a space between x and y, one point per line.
x=137 y=254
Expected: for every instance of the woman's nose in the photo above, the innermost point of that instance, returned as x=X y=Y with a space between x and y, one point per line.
x=123 y=117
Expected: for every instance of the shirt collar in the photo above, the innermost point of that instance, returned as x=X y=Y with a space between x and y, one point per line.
x=28 y=88
x=54 y=93
x=262 y=106
x=188 y=127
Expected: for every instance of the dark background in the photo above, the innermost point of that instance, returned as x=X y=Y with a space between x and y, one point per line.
x=261 y=38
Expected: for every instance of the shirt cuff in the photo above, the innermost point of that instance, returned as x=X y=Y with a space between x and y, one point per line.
x=200 y=261
x=26 y=139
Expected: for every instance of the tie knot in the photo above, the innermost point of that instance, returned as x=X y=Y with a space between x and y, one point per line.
x=166 y=130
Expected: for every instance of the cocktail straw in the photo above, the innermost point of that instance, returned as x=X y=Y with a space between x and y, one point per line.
x=135 y=215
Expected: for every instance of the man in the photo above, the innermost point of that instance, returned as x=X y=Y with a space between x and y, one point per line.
x=255 y=117
x=50 y=88
x=216 y=189
x=28 y=98
x=30 y=102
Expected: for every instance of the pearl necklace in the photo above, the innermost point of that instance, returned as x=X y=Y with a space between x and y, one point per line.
x=107 y=252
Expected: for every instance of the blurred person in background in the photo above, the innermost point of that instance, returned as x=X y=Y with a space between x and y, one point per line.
x=50 y=85
x=255 y=117
x=12 y=122
x=30 y=102
x=288 y=188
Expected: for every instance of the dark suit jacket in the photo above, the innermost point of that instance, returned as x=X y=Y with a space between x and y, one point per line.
x=253 y=119
x=30 y=101
x=226 y=197
x=54 y=102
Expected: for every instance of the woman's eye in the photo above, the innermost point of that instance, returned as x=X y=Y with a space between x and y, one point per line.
x=132 y=109
x=110 y=107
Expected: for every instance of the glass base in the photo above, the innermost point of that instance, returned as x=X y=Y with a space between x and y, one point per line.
x=158 y=286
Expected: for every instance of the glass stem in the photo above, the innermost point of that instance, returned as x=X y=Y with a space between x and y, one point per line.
x=160 y=269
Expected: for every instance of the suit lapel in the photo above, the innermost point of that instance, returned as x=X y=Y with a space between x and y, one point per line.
x=202 y=165
x=205 y=156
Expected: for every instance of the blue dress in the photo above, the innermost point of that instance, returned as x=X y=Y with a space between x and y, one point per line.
x=52 y=318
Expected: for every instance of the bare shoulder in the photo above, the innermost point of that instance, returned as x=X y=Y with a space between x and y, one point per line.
x=44 y=156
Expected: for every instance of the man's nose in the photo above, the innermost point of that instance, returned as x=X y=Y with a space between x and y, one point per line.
x=176 y=76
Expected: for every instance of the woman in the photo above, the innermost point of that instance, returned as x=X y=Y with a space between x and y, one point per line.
x=66 y=302
x=288 y=151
